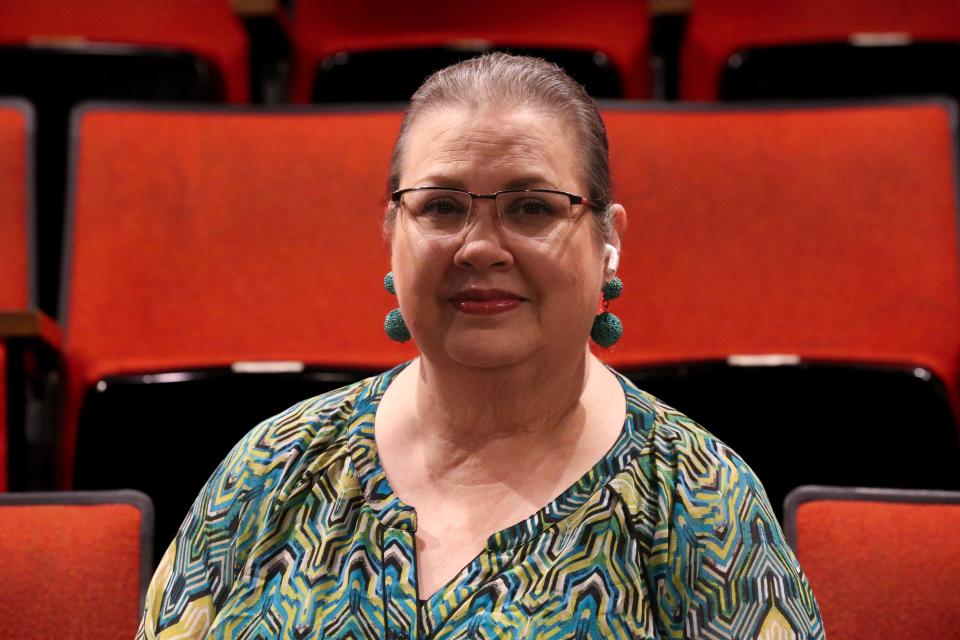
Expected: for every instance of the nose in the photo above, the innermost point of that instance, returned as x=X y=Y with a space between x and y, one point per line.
x=483 y=246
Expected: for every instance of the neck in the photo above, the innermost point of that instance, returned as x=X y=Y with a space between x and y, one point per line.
x=470 y=403
x=469 y=422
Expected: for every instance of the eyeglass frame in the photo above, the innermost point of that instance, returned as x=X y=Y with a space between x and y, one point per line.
x=397 y=195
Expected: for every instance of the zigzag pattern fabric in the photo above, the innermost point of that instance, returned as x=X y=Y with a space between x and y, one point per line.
x=298 y=534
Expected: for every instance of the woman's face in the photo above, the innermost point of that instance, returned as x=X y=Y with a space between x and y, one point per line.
x=487 y=297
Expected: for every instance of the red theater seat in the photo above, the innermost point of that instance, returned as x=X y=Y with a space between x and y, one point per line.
x=16 y=123
x=821 y=240
x=879 y=560
x=347 y=52
x=820 y=48
x=74 y=565
x=57 y=53
x=207 y=28
x=202 y=242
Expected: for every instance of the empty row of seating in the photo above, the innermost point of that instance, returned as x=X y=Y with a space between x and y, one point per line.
x=57 y=53
x=819 y=49
x=197 y=49
x=791 y=279
x=78 y=563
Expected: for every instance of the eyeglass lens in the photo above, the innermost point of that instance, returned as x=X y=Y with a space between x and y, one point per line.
x=532 y=214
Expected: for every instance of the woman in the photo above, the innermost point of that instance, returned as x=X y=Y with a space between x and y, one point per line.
x=505 y=484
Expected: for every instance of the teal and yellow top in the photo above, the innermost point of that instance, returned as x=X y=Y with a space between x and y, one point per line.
x=298 y=534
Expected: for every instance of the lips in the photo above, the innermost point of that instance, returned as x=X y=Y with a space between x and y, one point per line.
x=486 y=301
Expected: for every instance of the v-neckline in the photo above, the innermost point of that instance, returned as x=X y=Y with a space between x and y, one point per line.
x=391 y=511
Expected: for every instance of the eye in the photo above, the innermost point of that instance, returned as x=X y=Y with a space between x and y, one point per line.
x=531 y=207
x=442 y=206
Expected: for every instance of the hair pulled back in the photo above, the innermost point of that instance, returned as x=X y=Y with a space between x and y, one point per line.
x=512 y=81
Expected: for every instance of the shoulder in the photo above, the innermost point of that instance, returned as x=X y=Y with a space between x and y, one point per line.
x=271 y=468
x=274 y=467
x=682 y=453
x=707 y=528
x=683 y=479
x=280 y=453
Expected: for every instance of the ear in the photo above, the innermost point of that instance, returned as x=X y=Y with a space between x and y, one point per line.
x=617 y=229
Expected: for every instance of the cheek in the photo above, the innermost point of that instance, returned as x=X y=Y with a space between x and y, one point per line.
x=591 y=298
x=418 y=268
x=570 y=294
x=579 y=270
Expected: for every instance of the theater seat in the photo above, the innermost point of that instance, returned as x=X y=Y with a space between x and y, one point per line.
x=16 y=134
x=344 y=52
x=139 y=39
x=74 y=564
x=223 y=265
x=790 y=281
x=57 y=53
x=820 y=49
x=880 y=561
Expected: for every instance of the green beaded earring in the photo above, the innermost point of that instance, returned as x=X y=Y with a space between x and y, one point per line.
x=607 y=328
x=393 y=324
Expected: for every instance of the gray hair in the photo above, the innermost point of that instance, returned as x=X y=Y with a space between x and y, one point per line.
x=517 y=81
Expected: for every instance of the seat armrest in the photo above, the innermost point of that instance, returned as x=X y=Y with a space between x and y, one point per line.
x=30 y=324
x=31 y=370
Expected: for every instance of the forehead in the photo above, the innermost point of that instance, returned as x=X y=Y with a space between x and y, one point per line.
x=490 y=148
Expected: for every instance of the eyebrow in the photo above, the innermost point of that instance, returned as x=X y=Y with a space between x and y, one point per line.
x=441 y=181
x=531 y=181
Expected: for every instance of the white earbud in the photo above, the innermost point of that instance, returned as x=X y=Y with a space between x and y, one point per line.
x=612 y=257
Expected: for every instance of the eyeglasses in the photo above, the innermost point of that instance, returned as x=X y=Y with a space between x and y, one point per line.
x=537 y=214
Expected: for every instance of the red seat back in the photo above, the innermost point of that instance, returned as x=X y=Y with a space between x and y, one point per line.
x=880 y=559
x=16 y=282
x=619 y=29
x=718 y=28
x=73 y=564
x=16 y=124
x=203 y=238
x=828 y=233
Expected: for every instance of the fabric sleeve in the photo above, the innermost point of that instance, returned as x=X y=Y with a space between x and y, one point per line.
x=199 y=567
x=720 y=566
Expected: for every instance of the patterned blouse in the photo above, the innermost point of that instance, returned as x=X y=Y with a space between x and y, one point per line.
x=298 y=534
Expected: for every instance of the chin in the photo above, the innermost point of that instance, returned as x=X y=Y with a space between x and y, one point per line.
x=489 y=349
